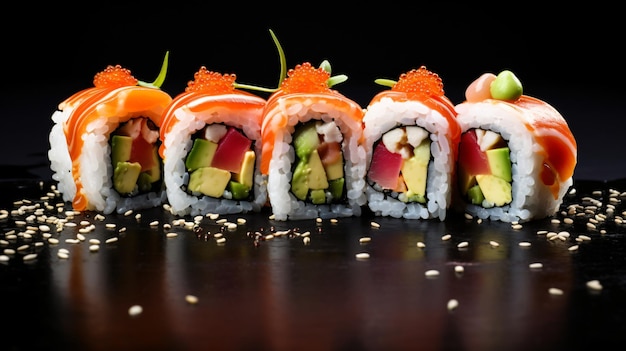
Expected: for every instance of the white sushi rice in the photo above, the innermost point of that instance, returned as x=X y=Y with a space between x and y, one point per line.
x=284 y=203
x=387 y=114
x=531 y=197
x=96 y=170
x=178 y=143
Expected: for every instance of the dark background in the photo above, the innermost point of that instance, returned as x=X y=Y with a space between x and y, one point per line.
x=570 y=57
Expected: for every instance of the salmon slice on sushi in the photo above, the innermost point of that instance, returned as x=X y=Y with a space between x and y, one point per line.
x=211 y=148
x=312 y=151
x=104 y=143
x=411 y=137
x=517 y=155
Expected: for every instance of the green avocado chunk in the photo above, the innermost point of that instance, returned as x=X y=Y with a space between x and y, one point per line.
x=121 y=146
x=475 y=195
x=305 y=140
x=318 y=196
x=125 y=177
x=201 y=154
x=300 y=180
x=335 y=187
x=240 y=191
x=500 y=163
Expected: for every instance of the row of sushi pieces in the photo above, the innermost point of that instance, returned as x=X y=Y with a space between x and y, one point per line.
x=308 y=151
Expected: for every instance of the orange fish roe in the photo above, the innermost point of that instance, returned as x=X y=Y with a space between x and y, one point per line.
x=305 y=78
x=114 y=77
x=211 y=82
x=420 y=82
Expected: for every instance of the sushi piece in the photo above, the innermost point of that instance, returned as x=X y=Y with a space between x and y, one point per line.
x=312 y=151
x=211 y=148
x=411 y=136
x=104 y=143
x=517 y=154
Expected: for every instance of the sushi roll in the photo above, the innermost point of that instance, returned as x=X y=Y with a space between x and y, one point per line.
x=411 y=137
x=517 y=154
x=312 y=151
x=211 y=146
x=104 y=143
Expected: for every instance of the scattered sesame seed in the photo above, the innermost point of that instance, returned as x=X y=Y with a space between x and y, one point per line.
x=362 y=256
x=555 y=291
x=374 y=225
x=220 y=240
x=191 y=299
x=364 y=240
x=524 y=244
x=171 y=235
x=459 y=269
x=432 y=273
x=306 y=240
x=573 y=248
x=421 y=245
x=94 y=248
x=536 y=265
x=594 y=285
x=135 y=310
x=110 y=240
x=446 y=237
x=452 y=304
x=30 y=257
x=462 y=244
x=494 y=243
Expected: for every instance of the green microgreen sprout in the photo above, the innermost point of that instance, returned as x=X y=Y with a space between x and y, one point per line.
x=283 y=70
x=160 y=78
x=385 y=82
x=325 y=65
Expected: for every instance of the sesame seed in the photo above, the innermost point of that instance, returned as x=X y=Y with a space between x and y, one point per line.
x=446 y=237
x=110 y=240
x=365 y=240
x=135 y=310
x=94 y=248
x=594 y=285
x=362 y=256
x=432 y=273
x=536 y=265
x=494 y=243
x=171 y=235
x=459 y=269
x=452 y=304
x=191 y=299
x=573 y=248
x=421 y=245
x=555 y=291
x=463 y=244
x=374 y=225
x=306 y=240
x=524 y=244
x=30 y=257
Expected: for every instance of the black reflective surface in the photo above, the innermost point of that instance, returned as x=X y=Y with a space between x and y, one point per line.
x=256 y=292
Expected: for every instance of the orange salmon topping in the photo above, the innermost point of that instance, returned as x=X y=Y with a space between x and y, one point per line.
x=420 y=82
x=114 y=77
x=211 y=82
x=305 y=78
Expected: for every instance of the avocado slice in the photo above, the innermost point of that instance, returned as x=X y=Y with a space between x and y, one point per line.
x=318 y=196
x=125 y=177
x=335 y=187
x=209 y=181
x=201 y=154
x=475 y=195
x=500 y=162
x=415 y=169
x=121 y=146
x=305 y=140
x=240 y=191
x=300 y=180
x=495 y=189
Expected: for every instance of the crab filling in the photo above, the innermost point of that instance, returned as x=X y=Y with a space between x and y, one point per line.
x=399 y=165
x=220 y=163
x=484 y=168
